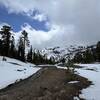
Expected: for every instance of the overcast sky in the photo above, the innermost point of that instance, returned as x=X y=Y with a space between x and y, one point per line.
x=53 y=22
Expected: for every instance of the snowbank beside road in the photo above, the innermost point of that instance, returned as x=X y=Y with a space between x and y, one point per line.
x=92 y=72
x=13 y=70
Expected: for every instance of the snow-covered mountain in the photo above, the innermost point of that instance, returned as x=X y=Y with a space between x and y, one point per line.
x=59 y=53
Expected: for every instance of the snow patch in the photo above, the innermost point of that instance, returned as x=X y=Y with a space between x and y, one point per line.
x=72 y=82
x=76 y=98
x=60 y=67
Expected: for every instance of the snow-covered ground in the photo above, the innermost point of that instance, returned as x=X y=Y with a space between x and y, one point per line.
x=92 y=72
x=13 y=70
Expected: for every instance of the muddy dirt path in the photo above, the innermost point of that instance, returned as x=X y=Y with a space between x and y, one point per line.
x=46 y=84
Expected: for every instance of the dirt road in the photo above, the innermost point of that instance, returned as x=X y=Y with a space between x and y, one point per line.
x=46 y=84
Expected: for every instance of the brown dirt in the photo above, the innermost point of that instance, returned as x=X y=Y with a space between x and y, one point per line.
x=46 y=84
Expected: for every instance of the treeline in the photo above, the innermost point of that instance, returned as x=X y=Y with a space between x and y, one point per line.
x=88 y=55
x=8 y=47
x=36 y=57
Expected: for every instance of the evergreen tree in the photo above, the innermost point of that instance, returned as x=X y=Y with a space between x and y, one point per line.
x=21 y=52
x=25 y=38
x=63 y=60
x=88 y=56
x=51 y=60
x=6 y=35
x=93 y=51
x=30 y=55
x=34 y=57
x=12 y=47
x=1 y=47
x=78 y=58
x=23 y=42
x=98 y=51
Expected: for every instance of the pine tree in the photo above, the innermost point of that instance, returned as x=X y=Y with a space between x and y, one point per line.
x=30 y=55
x=21 y=52
x=78 y=58
x=1 y=47
x=88 y=56
x=34 y=57
x=63 y=60
x=6 y=35
x=23 y=42
x=25 y=38
x=98 y=51
x=12 y=47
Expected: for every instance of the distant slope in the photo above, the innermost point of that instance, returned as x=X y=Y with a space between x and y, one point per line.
x=59 y=53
